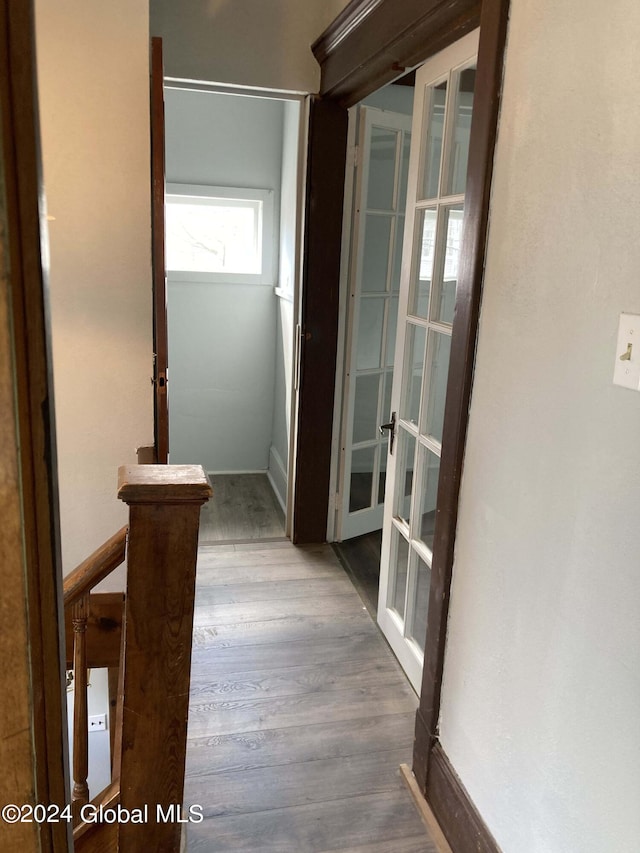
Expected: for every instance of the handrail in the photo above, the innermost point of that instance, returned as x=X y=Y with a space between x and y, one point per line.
x=96 y=567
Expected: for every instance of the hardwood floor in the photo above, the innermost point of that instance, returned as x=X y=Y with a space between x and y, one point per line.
x=243 y=507
x=299 y=714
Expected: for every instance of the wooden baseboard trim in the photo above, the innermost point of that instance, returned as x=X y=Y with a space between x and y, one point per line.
x=428 y=818
x=454 y=810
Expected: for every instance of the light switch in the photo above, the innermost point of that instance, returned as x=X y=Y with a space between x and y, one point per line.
x=626 y=371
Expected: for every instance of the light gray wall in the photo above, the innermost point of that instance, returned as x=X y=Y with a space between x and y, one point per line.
x=221 y=375
x=281 y=431
x=93 y=80
x=541 y=697
x=222 y=336
x=248 y=42
x=225 y=140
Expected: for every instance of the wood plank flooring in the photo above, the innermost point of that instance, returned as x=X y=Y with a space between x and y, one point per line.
x=243 y=507
x=299 y=715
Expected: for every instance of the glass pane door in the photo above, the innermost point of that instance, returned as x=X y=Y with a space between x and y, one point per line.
x=433 y=230
x=383 y=141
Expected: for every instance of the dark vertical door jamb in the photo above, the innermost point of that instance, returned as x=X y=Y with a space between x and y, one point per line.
x=160 y=342
x=320 y=295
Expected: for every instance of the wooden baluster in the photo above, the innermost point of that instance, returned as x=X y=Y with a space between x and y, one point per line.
x=80 y=793
x=164 y=503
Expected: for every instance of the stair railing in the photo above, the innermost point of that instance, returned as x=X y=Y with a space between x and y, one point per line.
x=150 y=644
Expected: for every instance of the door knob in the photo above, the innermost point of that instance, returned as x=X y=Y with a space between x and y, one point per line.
x=391 y=429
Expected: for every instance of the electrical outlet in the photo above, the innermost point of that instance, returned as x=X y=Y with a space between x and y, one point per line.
x=98 y=723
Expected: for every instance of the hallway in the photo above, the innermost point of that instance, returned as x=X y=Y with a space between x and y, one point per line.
x=299 y=715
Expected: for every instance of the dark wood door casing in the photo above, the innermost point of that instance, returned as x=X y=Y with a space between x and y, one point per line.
x=484 y=125
x=369 y=44
x=319 y=315
x=35 y=769
x=160 y=337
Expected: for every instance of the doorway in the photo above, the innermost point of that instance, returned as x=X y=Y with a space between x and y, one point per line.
x=233 y=200
x=398 y=341
x=375 y=200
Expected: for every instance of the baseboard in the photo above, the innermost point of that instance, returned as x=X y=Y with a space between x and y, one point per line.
x=434 y=831
x=454 y=810
x=228 y=473
x=277 y=476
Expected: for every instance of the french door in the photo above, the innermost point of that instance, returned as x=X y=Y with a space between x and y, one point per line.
x=443 y=104
x=374 y=282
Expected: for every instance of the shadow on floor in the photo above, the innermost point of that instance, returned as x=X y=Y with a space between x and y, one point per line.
x=360 y=557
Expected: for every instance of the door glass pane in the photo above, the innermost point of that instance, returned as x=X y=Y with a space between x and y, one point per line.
x=439 y=354
x=382 y=168
x=382 y=479
x=421 y=602
x=430 y=467
x=392 y=323
x=375 y=259
x=416 y=337
x=404 y=172
x=459 y=154
x=369 y=345
x=407 y=445
x=386 y=401
x=362 y=462
x=443 y=301
x=423 y=261
x=399 y=557
x=365 y=409
x=396 y=267
x=434 y=118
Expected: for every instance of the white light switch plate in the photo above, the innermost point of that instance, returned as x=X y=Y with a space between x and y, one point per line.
x=626 y=372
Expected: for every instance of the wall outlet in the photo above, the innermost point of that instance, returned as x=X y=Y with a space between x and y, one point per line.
x=98 y=723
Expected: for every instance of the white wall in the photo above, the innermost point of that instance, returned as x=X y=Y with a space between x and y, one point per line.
x=222 y=337
x=248 y=42
x=94 y=107
x=541 y=699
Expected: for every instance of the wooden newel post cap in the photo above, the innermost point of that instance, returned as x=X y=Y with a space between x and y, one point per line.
x=163 y=484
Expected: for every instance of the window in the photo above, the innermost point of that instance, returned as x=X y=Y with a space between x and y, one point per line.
x=219 y=234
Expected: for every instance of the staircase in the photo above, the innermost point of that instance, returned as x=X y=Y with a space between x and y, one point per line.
x=143 y=637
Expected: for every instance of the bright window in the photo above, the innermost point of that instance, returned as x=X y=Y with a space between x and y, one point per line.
x=221 y=234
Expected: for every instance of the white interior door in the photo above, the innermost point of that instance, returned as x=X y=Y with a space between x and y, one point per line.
x=433 y=228
x=374 y=282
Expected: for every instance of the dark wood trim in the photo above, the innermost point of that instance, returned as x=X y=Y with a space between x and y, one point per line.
x=160 y=336
x=372 y=42
x=349 y=20
x=36 y=537
x=103 y=631
x=368 y=45
x=320 y=296
x=96 y=567
x=465 y=329
x=459 y=819
x=164 y=516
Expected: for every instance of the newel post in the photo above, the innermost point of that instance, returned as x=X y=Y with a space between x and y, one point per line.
x=164 y=515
